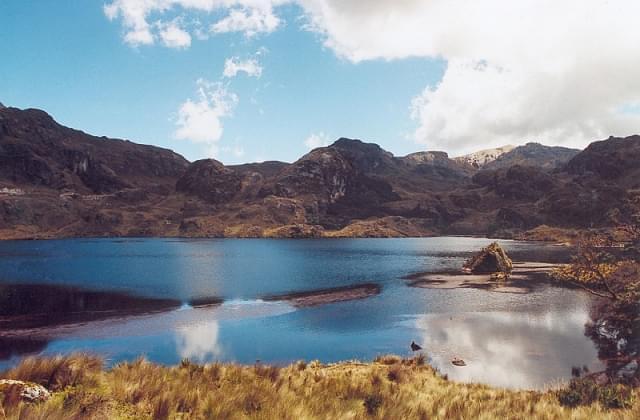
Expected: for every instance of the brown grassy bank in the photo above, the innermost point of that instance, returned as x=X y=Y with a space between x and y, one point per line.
x=390 y=388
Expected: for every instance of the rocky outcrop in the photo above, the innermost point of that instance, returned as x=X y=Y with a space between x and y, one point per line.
x=534 y=154
x=35 y=150
x=334 y=182
x=26 y=391
x=516 y=182
x=492 y=259
x=210 y=181
x=615 y=159
x=483 y=157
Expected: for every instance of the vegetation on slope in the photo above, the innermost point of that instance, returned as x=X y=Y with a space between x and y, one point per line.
x=389 y=387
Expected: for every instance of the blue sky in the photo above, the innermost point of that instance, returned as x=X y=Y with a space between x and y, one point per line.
x=67 y=58
x=448 y=75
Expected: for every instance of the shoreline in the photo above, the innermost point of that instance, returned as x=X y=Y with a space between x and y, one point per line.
x=275 y=238
x=524 y=275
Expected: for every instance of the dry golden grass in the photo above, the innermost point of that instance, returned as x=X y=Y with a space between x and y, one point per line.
x=389 y=388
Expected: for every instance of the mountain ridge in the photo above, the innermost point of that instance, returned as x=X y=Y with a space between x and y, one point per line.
x=60 y=182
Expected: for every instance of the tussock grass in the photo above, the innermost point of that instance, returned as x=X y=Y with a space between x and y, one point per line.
x=389 y=388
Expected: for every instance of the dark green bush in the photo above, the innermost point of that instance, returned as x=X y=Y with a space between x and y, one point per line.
x=585 y=391
x=372 y=403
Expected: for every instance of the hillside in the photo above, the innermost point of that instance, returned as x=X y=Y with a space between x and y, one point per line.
x=387 y=388
x=60 y=182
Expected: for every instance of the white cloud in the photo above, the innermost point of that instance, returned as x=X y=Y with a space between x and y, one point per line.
x=200 y=120
x=317 y=140
x=143 y=21
x=250 y=21
x=233 y=66
x=236 y=151
x=557 y=72
x=174 y=36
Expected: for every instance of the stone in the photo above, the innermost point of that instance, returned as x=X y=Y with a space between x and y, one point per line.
x=492 y=259
x=28 y=391
x=629 y=370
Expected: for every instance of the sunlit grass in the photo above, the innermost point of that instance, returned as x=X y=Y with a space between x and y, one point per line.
x=389 y=387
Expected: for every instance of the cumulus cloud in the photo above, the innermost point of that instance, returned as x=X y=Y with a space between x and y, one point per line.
x=251 y=67
x=200 y=120
x=250 y=21
x=556 y=72
x=543 y=70
x=173 y=36
x=317 y=140
x=144 y=20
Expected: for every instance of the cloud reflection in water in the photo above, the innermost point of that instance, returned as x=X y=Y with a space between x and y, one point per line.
x=514 y=350
x=199 y=342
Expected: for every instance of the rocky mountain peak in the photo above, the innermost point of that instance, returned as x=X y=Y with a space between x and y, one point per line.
x=482 y=157
x=209 y=180
x=615 y=158
x=534 y=154
x=426 y=157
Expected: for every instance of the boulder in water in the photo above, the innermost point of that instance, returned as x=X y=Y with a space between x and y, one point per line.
x=458 y=362
x=492 y=259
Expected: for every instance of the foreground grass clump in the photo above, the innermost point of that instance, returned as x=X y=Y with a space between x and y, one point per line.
x=389 y=387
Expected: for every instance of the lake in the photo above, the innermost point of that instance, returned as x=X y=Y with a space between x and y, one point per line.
x=126 y=298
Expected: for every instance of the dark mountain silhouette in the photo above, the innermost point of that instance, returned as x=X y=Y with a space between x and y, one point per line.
x=60 y=182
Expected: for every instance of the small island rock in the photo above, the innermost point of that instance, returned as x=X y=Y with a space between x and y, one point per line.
x=492 y=259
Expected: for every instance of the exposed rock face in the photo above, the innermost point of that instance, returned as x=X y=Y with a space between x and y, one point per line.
x=438 y=166
x=324 y=173
x=492 y=259
x=334 y=182
x=209 y=180
x=267 y=169
x=516 y=182
x=534 y=154
x=36 y=150
x=482 y=157
x=615 y=159
x=26 y=391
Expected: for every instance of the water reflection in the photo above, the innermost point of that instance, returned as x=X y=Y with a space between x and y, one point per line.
x=199 y=342
x=40 y=305
x=509 y=349
x=180 y=313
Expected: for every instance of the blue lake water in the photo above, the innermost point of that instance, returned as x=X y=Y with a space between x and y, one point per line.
x=507 y=339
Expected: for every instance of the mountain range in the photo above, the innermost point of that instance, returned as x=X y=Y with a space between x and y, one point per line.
x=60 y=182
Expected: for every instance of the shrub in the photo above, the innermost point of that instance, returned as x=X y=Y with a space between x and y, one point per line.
x=56 y=373
x=394 y=374
x=586 y=391
x=387 y=359
x=372 y=403
x=615 y=396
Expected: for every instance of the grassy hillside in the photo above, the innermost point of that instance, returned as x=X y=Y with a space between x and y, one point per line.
x=389 y=387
